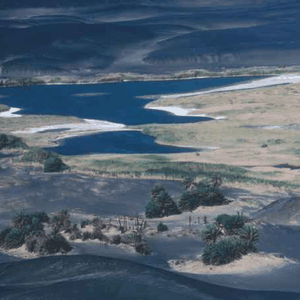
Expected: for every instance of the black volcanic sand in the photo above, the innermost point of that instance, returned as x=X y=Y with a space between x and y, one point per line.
x=33 y=190
x=146 y=36
x=91 y=277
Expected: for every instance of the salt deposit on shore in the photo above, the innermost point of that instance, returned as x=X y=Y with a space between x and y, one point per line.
x=179 y=111
x=89 y=125
x=11 y=113
x=270 y=81
x=183 y=112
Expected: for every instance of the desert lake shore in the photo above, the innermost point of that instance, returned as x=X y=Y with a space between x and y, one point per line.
x=244 y=119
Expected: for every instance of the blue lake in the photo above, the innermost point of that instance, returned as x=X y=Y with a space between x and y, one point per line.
x=114 y=102
x=126 y=142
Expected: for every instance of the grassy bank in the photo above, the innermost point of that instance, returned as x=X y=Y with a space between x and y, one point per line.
x=168 y=167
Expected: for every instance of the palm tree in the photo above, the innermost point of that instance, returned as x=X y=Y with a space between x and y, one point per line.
x=211 y=234
x=249 y=233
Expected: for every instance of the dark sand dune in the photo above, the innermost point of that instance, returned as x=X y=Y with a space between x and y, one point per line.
x=91 y=277
x=285 y=211
x=87 y=37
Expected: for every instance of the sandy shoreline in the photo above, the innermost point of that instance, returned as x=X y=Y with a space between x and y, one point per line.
x=250 y=264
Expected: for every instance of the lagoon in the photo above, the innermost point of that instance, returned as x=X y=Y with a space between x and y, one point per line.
x=119 y=102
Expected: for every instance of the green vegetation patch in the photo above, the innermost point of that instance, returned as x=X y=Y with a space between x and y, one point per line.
x=228 y=239
x=11 y=142
x=3 y=107
x=51 y=160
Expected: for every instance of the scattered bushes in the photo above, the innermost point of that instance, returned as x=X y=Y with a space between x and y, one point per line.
x=143 y=249
x=11 y=142
x=228 y=239
x=161 y=204
x=162 y=227
x=61 y=221
x=206 y=193
x=225 y=251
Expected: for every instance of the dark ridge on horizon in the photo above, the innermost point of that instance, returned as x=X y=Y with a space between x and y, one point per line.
x=153 y=37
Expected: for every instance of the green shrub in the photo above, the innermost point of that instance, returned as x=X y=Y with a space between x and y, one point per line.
x=61 y=221
x=162 y=227
x=249 y=233
x=116 y=239
x=230 y=223
x=225 y=251
x=85 y=223
x=54 y=164
x=211 y=234
x=161 y=204
x=210 y=196
x=86 y=236
x=54 y=243
x=98 y=234
x=33 y=241
x=10 y=142
x=131 y=239
x=3 y=234
x=188 y=201
x=14 y=239
x=38 y=155
x=143 y=249
x=152 y=210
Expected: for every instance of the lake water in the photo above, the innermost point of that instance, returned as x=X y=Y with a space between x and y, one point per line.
x=114 y=102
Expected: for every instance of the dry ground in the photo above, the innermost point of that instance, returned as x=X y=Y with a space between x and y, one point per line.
x=250 y=117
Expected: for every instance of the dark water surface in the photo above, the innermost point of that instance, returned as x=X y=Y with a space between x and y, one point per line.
x=118 y=102
x=127 y=142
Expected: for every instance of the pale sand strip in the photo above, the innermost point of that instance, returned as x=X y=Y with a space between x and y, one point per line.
x=89 y=125
x=179 y=111
x=283 y=79
x=11 y=113
x=252 y=263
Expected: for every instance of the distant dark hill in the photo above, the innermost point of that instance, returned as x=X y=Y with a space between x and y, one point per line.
x=91 y=277
x=91 y=37
x=285 y=211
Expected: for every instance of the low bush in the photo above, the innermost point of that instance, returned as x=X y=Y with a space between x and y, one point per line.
x=249 y=233
x=143 y=249
x=211 y=234
x=161 y=204
x=131 y=239
x=54 y=243
x=116 y=239
x=226 y=251
x=86 y=236
x=54 y=164
x=98 y=234
x=3 y=233
x=15 y=238
x=85 y=223
x=61 y=221
x=38 y=155
x=10 y=142
x=189 y=201
x=230 y=223
x=162 y=227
